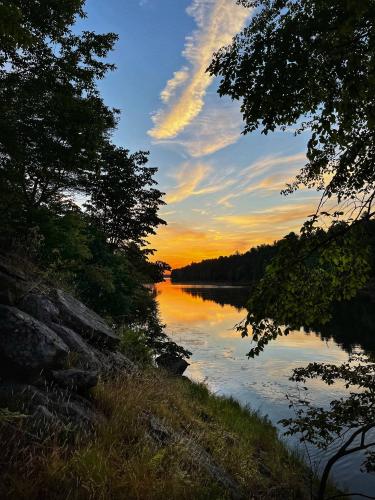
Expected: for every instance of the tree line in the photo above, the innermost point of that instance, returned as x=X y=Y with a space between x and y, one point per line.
x=246 y=268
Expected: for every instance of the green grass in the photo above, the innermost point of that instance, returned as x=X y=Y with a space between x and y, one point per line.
x=121 y=461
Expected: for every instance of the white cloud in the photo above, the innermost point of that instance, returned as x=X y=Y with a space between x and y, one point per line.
x=218 y=21
x=265 y=176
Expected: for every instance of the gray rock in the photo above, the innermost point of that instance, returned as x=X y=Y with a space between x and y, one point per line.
x=27 y=345
x=23 y=398
x=13 y=283
x=174 y=364
x=40 y=307
x=59 y=407
x=86 y=358
x=83 y=320
x=77 y=413
x=116 y=362
x=78 y=380
x=43 y=421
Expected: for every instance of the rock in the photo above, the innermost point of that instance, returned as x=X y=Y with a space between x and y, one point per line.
x=40 y=307
x=162 y=434
x=43 y=422
x=71 y=410
x=83 y=320
x=78 y=380
x=77 y=413
x=14 y=283
x=174 y=364
x=86 y=357
x=27 y=346
x=116 y=362
x=21 y=397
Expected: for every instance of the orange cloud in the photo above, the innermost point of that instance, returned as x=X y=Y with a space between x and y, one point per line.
x=189 y=179
x=276 y=219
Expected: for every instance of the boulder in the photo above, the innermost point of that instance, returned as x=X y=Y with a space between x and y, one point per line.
x=75 y=315
x=173 y=364
x=116 y=362
x=27 y=346
x=14 y=283
x=40 y=307
x=22 y=398
x=86 y=357
x=57 y=406
x=75 y=379
x=43 y=422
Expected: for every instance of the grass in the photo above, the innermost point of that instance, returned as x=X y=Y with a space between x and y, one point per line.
x=122 y=461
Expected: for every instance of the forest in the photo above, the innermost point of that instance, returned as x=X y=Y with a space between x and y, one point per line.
x=245 y=268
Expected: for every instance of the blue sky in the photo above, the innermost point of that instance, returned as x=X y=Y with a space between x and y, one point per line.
x=222 y=188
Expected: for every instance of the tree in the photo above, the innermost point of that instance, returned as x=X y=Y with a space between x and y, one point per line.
x=55 y=133
x=311 y=60
x=123 y=202
x=311 y=64
x=347 y=422
x=53 y=120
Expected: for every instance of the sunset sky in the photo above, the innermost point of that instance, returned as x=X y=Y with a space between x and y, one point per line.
x=222 y=188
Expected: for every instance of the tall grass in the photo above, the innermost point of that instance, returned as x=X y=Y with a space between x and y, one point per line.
x=122 y=461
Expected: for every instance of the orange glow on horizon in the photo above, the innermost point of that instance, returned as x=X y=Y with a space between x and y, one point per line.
x=179 y=246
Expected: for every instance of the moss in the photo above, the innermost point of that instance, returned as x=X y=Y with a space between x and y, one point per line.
x=121 y=461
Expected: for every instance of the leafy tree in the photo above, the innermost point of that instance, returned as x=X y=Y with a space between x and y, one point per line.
x=308 y=274
x=348 y=422
x=311 y=60
x=311 y=64
x=53 y=120
x=124 y=204
x=55 y=135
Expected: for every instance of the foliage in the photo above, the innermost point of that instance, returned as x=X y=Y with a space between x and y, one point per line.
x=133 y=343
x=53 y=120
x=124 y=203
x=310 y=64
x=245 y=268
x=309 y=273
x=310 y=60
x=348 y=422
x=55 y=148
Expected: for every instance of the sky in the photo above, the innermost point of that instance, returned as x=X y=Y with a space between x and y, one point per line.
x=222 y=188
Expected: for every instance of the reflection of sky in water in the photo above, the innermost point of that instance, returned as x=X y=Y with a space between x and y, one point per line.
x=219 y=358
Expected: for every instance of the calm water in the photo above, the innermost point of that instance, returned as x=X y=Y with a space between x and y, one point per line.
x=201 y=318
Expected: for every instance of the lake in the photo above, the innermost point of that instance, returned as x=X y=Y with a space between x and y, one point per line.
x=201 y=318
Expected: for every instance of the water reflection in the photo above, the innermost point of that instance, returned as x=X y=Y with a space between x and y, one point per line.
x=201 y=318
x=352 y=324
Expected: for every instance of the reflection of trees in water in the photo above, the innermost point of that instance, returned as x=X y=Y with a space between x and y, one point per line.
x=232 y=296
x=353 y=323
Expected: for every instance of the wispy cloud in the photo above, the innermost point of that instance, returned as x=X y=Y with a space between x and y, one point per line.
x=218 y=21
x=179 y=77
x=265 y=176
x=189 y=179
x=279 y=218
x=214 y=129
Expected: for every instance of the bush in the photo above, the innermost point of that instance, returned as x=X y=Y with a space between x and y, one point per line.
x=133 y=343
